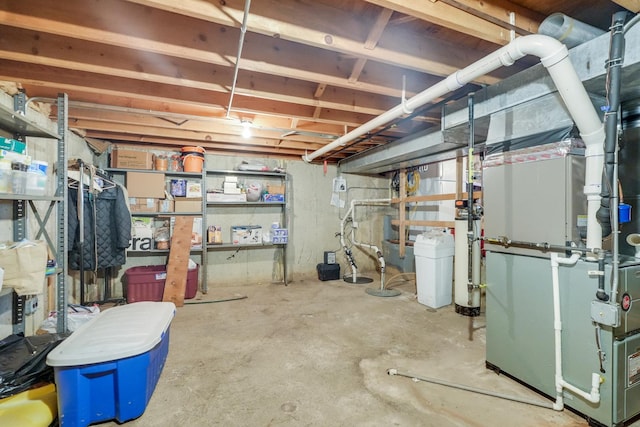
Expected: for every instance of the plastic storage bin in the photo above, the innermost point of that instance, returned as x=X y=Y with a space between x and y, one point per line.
x=146 y=283
x=434 y=268
x=109 y=368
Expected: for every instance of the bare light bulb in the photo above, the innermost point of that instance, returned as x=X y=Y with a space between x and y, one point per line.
x=246 y=129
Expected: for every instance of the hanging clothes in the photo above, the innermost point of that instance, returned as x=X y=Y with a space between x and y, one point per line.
x=107 y=228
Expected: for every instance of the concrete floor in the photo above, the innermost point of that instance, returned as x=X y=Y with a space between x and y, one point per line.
x=317 y=354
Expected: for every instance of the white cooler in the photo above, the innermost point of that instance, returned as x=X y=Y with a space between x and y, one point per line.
x=434 y=251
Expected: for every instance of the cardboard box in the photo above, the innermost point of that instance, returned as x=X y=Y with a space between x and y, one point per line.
x=196 y=235
x=246 y=235
x=24 y=266
x=274 y=198
x=143 y=204
x=214 y=234
x=165 y=205
x=275 y=189
x=196 y=232
x=188 y=204
x=145 y=184
x=194 y=189
x=279 y=236
x=127 y=158
x=231 y=188
x=226 y=198
x=13 y=145
x=141 y=234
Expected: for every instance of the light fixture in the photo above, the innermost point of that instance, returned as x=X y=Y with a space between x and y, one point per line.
x=246 y=128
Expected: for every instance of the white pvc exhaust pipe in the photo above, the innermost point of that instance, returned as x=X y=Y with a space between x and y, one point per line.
x=351 y=213
x=634 y=240
x=555 y=58
x=593 y=395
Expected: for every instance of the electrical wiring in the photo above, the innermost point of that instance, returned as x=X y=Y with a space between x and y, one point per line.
x=413 y=182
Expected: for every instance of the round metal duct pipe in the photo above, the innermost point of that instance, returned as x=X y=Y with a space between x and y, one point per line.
x=628 y=158
x=568 y=30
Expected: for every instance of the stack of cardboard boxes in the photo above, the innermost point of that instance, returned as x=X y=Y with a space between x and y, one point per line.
x=148 y=193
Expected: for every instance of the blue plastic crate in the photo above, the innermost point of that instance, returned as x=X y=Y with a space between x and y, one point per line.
x=109 y=368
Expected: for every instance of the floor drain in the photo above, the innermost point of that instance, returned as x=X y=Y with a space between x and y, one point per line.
x=289 y=407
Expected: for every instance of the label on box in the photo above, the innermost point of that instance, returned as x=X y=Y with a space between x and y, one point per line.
x=226 y=198
x=274 y=198
x=141 y=234
x=165 y=205
x=246 y=234
x=13 y=145
x=131 y=159
x=142 y=204
x=194 y=189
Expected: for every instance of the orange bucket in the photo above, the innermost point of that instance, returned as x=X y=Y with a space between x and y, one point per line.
x=193 y=159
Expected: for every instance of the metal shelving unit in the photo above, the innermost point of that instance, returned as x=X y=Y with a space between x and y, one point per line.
x=201 y=213
x=283 y=206
x=15 y=122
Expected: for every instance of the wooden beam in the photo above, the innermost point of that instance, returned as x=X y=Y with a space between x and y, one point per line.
x=72 y=82
x=424 y=223
x=631 y=5
x=190 y=135
x=44 y=49
x=447 y=16
x=376 y=31
x=402 y=213
x=526 y=21
x=357 y=70
x=178 y=264
x=177 y=143
x=325 y=27
x=432 y=197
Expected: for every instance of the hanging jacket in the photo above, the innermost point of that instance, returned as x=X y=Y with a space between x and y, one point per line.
x=107 y=229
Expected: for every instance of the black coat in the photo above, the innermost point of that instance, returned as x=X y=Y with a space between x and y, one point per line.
x=107 y=229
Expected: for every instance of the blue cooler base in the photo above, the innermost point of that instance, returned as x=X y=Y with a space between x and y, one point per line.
x=118 y=389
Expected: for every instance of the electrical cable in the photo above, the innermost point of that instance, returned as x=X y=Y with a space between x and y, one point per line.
x=413 y=182
x=216 y=300
x=233 y=254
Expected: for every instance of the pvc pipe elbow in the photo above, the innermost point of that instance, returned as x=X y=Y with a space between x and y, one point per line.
x=594 y=142
x=549 y=50
x=558 y=405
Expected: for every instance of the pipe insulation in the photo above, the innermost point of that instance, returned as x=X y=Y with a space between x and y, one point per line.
x=609 y=201
x=554 y=56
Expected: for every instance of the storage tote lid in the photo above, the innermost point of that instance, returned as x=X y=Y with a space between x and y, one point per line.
x=119 y=332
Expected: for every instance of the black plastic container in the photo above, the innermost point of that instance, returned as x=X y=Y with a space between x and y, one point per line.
x=328 y=271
